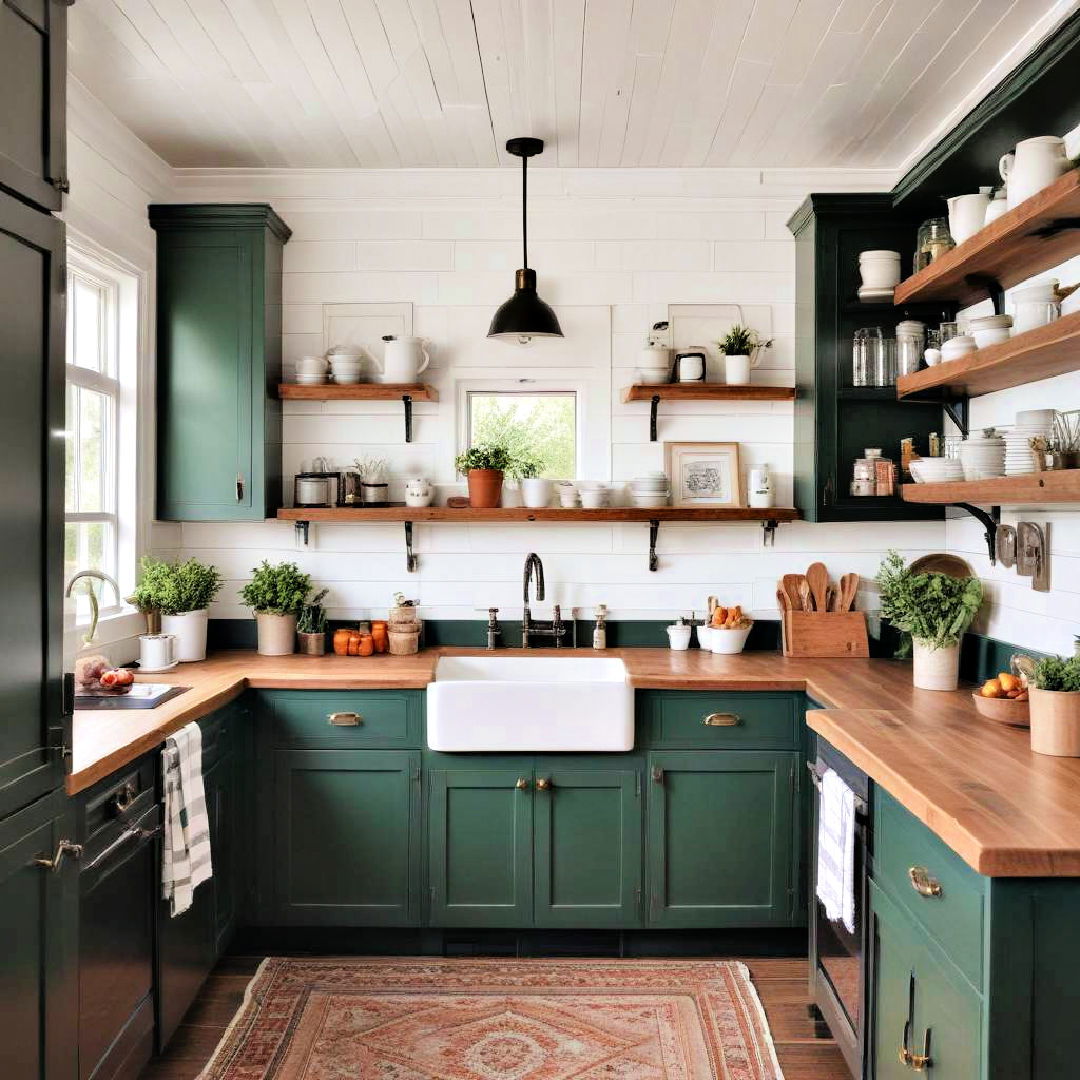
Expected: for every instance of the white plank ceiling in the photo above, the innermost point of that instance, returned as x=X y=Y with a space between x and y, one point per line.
x=392 y=83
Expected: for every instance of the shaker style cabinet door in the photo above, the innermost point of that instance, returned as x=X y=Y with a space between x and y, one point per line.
x=33 y=54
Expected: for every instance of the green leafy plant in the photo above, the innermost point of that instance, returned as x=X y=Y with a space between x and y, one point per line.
x=174 y=588
x=276 y=590
x=742 y=341
x=525 y=465
x=312 y=617
x=935 y=609
x=1055 y=673
x=485 y=456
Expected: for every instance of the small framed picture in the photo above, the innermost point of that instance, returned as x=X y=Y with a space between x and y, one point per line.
x=704 y=474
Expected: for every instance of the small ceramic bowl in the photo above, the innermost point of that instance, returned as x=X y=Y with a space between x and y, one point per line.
x=995 y=335
x=729 y=642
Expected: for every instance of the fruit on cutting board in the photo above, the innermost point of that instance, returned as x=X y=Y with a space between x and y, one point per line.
x=1005 y=685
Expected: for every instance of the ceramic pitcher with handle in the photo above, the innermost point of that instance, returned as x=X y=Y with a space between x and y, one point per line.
x=404 y=358
x=1035 y=164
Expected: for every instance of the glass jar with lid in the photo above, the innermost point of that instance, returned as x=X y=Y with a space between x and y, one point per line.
x=932 y=241
x=910 y=345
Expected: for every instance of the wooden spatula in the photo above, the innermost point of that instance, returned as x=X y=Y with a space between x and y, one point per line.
x=806 y=597
x=849 y=587
x=791 y=584
x=817 y=576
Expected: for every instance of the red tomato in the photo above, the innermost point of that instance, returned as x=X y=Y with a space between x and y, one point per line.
x=108 y=679
x=124 y=676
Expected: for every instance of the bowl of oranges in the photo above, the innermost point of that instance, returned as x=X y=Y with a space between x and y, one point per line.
x=1004 y=699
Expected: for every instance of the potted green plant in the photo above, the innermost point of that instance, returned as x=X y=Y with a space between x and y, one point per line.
x=484 y=467
x=535 y=489
x=181 y=592
x=935 y=610
x=311 y=625
x=1055 y=707
x=741 y=348
x=276 y=594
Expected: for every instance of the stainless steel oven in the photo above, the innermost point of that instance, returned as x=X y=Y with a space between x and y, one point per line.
x=838 y=957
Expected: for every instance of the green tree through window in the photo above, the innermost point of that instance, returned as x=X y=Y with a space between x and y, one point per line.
x=543 y=425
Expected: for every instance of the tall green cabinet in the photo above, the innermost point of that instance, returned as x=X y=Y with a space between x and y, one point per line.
x=218 y=361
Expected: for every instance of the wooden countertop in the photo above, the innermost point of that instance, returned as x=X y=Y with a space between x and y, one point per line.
x=1004 y=810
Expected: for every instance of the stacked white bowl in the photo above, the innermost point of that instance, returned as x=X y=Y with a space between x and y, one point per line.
x=346 y=363
x=1030 y=424
x=936 y=470
x=312 y=370
x=653 y=489
x=594 y=494
x=982 y=455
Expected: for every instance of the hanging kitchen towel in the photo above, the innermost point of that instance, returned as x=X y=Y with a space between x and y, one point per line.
x=185 y=858
x=836 y=850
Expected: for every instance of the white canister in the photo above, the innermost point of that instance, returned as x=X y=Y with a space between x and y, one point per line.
x=690 y=365
x=760 y=489
x=189 y=629
x=157 y=652
x=1035 y=306
x=679 y=636
x=879 y=269
x=418 y=491
x=535 y=492
x=654 y=363
x=1035 y=164
x=935 y=669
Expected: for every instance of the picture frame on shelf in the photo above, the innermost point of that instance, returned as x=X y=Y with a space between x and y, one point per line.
x=704 y=473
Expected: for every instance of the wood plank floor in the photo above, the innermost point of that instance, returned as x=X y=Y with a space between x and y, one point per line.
x=781 y=985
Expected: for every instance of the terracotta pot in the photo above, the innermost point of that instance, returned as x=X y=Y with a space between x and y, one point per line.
x=311 y=644
x=277 y=633
x=935 y=669
x=1055 y=722
x=485 y=488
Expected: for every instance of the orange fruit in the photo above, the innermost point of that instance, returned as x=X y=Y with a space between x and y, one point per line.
x=1008 y=681
x=991 y=688
x=1022 y=696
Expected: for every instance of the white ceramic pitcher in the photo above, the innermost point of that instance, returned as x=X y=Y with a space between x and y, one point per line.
x=967 y=214
x=1035 y=164
x=404 y=358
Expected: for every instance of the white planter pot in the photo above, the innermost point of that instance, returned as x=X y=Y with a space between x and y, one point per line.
x=511 y=495
x=935 y=669
x=277 y=634
x=536 y=493
x=737 y=369
x=189 y=629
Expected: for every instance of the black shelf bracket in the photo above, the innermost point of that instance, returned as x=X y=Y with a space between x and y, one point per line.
x=406 y=400
x=989 y=522
x=654 y=401
x=957 y=412
x=768 y=533
x=412 y=563
x=993 y=287
x=302 y=531
x=654 y=532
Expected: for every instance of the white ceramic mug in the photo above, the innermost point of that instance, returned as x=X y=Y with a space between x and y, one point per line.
x=404 y=358
x=157 y=651
x=1034 y=165
x=418 y=492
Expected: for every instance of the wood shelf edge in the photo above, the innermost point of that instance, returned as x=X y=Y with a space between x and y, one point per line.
x=716 y=515
x=706 y=392
x=1062 y=485
x=358 y=392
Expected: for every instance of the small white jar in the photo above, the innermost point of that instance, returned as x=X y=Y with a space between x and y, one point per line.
x=679 y=636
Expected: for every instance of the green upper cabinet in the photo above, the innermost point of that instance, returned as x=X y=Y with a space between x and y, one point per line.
x=219 y=361
x=835 y=421
x=721 y=844
x=33 y=52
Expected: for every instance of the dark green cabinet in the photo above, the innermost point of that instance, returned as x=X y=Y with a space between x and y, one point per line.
x=721 y=828
x=219 y=361
x=346 y=835
x=33 y=53
x=38 y=928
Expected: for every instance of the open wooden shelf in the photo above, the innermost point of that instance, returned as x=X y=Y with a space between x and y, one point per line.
x=1062 y=485
x=700 y=391
x=1038 y=354
x=1008 y=250
x=466 y=515
x=358 y=392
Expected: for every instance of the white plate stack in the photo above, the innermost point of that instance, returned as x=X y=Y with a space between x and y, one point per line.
x=651 y=490
x=1020 y=459
x=982 y=455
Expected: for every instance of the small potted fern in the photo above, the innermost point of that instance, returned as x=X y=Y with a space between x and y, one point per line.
x=742 y=349
x=276 y=594
x=311 y=625
x=484 y=467
x=1055 y=707
x=181 y=593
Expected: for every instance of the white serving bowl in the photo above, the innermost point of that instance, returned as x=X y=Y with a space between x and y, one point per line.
x=958 y=346
x=995 y=335
x=728 y=642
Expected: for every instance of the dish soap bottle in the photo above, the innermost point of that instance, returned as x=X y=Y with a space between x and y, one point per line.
x=599 y=634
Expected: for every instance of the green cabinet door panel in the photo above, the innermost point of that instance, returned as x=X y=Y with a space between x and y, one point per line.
x=480 y=864
x=720 y=838
x=587 y=846
x=38 y=927
x=690 y=719
x=346 y=837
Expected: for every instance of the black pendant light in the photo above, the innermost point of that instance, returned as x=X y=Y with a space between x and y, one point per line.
x=524 y=316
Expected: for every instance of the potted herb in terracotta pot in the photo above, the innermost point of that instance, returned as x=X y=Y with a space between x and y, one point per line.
x=935 y=610
x=741 y=348
x=276 y=594
x=484 y=467
x=1055 y=707
x=311 y=625
x=181 y=592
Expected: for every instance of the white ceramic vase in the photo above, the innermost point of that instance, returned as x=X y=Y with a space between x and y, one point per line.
x=277 y=633
x=737 y=369
x=189 y=629
x=935 y=669
x=536 y=492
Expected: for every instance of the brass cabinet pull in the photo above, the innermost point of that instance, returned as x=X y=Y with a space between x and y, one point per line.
x=922 y=1062
x=905 y=1053
x=657 y=774
x=345 y=719
x=922 y=882
x=522 y=783
x=543 y=783
x=722 y=719
x=65 y=847
x=239 y=487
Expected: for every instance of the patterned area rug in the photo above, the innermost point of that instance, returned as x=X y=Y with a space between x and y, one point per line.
x=436 y=1019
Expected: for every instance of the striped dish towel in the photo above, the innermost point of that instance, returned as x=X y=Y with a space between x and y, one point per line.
x=185 y=860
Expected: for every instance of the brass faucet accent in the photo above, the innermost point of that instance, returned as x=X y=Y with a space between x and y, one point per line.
x=557 y=629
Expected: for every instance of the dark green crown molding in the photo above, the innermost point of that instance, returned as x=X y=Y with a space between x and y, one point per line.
x=1038 y=98
x=223 y=215
x=846 y=203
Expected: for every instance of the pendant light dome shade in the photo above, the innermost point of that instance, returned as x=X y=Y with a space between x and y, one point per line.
x=524 y=316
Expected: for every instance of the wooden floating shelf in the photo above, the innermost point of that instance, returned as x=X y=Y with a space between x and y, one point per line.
x=1037 y=354
x=467 y=514
x=1032 y=237
x=358 y=392
x=706 y=392
x=1062 y=485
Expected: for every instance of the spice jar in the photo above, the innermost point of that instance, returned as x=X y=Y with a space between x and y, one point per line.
x=341 y=641
x=378 y=635
x=884 y=477
x=863 y=473
x=366 y=645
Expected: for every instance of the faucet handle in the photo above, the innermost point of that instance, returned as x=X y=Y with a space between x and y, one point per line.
x=493 y=616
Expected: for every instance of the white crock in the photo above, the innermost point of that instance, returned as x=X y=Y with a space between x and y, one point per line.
x=277 y=633
x=189 y=629
x=935 y=669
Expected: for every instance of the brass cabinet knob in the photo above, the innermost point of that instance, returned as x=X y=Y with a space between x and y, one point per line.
x=922 y=882
x=344 y=719
x=543 y=783
x=722 y=719
x=522 y=783
x=65 y=847
x=124 y=797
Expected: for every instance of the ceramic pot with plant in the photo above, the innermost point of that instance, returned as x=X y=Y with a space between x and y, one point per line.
x=181 y=592
x=1055 y=707
x=484 y=467
x=536 y=490
x=935 y=610
x=276 y=594
x=311 y=626
x=741 y=348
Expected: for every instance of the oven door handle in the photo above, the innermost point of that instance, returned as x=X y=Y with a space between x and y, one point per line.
x=132 y=832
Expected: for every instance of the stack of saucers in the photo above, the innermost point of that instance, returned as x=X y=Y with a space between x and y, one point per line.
x=651 y=490
x=982 y=455
x=1020 y=459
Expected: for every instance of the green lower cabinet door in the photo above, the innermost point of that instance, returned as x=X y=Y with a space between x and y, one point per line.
x=720 y=839
x=587 y=846
x=346 y=837
x=480 y=829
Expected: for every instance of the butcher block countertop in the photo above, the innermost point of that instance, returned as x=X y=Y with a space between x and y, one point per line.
x=1006 y=811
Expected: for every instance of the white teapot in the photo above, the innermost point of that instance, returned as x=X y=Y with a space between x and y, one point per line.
x=418 y=491
x=1035 y=164
x=404 y=358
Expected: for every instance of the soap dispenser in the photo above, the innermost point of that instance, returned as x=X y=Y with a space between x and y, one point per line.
x=599 y=635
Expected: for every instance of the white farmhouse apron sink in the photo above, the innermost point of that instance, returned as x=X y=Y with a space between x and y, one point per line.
x=523 y=703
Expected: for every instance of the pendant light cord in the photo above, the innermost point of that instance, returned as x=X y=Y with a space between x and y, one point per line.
x=524 y=215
